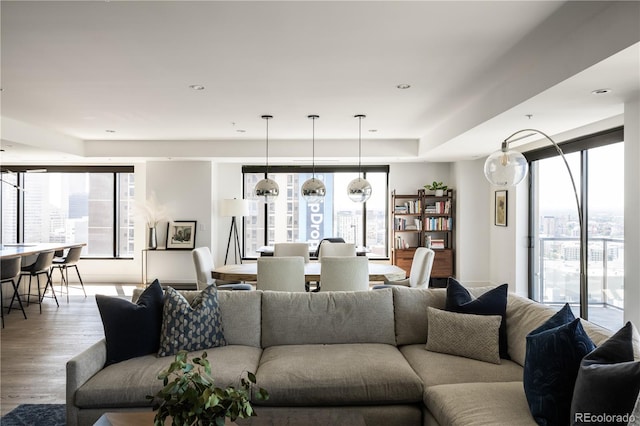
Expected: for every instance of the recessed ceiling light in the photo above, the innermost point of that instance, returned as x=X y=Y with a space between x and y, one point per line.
x=373 y=130
x=110 y=131
x=601 y=91
x=196 y=87
x=240 y=130
x=403 y=86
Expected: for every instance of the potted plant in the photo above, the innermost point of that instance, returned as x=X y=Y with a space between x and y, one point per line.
x=190 y=397
x=438 y=187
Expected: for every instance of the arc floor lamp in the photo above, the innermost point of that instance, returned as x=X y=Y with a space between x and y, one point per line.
x=233 y=208
x=508 y=167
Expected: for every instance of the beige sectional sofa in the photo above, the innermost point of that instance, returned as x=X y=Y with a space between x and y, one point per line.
x=359 y=353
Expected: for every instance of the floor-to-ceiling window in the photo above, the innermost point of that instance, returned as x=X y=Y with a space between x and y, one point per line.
x=92 y=205
x=597 y=163
x=290 y=218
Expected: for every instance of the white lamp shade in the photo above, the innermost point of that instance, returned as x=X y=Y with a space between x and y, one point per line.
x=359 y=190
x=234 y=207
x=506 y=168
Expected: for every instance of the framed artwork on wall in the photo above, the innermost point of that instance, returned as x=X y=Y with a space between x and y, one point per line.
x=181 y=235
x=501 y=208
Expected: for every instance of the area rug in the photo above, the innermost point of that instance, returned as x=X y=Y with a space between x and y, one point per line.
x=35 y=415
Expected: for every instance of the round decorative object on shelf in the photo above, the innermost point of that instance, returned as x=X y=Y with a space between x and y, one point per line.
x=359 y=190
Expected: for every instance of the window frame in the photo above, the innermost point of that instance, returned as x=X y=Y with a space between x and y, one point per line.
x=21 y=170
x=323 y=169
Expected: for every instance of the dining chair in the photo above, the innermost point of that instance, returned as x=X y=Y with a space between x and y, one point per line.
x=63 y=264
x=9 y=271
x=42 y=266
x=203 y=262
x=316 y=254
x=336 y=249
x=420 y=272
x=292 y=249
x=340 y=273
x=281 y=274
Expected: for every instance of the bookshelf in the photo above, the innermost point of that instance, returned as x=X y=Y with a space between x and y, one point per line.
x=424 y=220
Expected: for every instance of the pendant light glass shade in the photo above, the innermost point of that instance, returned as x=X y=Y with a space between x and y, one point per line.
x=267 y=189
x=505 y=167
x=359 y=189
x=313 y=190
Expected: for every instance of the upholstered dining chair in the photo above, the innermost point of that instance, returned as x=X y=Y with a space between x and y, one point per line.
x=64 y=263
x=42 y=266
x=292 y=249
x=285 y=273
x=9 y=271
x=316 y=254
x=203 y=262
x=420 y=272
x=339 y=273
x=336 y=249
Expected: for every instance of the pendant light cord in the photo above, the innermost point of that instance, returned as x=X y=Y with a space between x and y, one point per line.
x=266 y=118
x=360 y=117
x=313 y=142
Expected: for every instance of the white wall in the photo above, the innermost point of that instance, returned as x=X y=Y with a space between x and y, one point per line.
x=632 y=211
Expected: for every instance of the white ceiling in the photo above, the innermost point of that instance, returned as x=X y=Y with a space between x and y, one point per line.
x=71 y=71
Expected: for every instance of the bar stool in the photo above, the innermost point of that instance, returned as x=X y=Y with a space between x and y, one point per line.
x=41 y=266
x=9 y=270
x=69 y=261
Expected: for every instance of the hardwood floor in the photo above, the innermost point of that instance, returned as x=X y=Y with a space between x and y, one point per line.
x=34 y=352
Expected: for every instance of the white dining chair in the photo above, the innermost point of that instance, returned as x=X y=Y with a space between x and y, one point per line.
x=336 y=250
x=203 y=263
x=285 y=273
x=341 y=273
x=292 y=249
x=420 y=272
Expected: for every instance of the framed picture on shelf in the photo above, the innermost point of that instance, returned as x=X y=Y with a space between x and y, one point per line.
x=181 y=235
x=501 y=208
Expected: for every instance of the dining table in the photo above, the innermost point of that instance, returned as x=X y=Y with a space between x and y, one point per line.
x=249 y=272
x=30 y=249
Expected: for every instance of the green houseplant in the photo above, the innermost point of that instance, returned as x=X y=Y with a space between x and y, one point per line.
x=438 y=187
x=190 y=397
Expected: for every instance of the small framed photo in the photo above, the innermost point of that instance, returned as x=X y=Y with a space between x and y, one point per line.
x=501 y=208
x=181 y=235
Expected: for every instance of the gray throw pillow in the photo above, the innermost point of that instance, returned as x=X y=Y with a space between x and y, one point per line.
x=468 y=335
x=191 y=327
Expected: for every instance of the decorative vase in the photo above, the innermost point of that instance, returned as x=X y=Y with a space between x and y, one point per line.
x=153 y=238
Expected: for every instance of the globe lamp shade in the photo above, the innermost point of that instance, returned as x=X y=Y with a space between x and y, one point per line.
x=359 y=190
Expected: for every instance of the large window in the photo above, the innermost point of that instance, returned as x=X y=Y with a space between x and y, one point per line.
x=597 y=163
x=71 y=205
x=291 y=219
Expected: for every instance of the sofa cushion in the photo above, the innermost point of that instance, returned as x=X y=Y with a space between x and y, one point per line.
x=476 y=404
x=608 y=381
x=551 y=366
x=132 y=329
x=493 y=302
x=127 y=383
x=359 y=373
x=327 y=318
x=524 y=315
x=467 y=335
x=191 y=326
x=436 y=369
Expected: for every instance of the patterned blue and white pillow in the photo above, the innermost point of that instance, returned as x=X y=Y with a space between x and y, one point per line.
x=191 y=327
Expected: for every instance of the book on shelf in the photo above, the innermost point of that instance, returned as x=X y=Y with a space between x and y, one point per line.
x=400 y=243
x=438 y=223
x=437 y=243
x=438 y=207
x=404 y=224
x=408 y=207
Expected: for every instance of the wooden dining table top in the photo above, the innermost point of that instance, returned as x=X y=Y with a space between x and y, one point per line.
x=249 y=272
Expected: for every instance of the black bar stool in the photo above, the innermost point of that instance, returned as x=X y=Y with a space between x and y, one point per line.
x=9 y=270
x=41 y=266
x=69 y=261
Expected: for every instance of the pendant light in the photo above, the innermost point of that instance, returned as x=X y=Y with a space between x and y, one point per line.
x=267 y=188
x=313 y=190
x=359 y=190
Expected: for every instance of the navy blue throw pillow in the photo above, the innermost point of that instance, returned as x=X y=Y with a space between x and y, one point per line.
x=608 y=382
x=132 y=329
x=551 y=366
x=493 y=302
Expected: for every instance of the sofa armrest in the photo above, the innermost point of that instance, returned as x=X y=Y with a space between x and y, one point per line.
x=80 y=369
